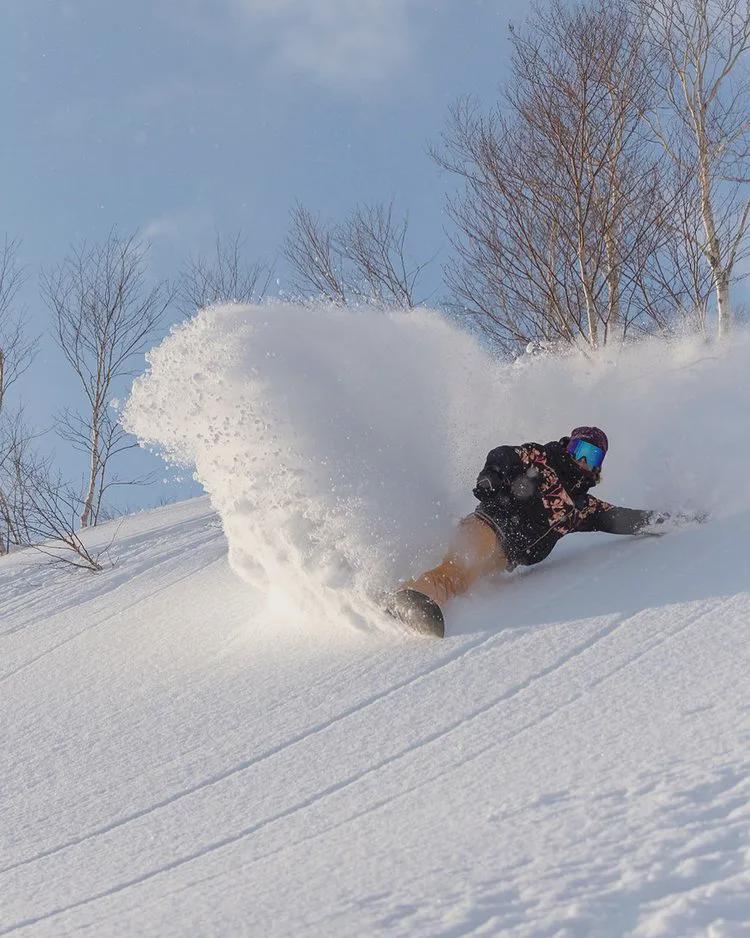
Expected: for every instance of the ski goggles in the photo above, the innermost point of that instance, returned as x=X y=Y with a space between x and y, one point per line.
x=582 y=450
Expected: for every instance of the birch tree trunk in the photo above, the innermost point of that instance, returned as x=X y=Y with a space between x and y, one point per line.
x=591 y=312
x=613 y=287
x=94 y=467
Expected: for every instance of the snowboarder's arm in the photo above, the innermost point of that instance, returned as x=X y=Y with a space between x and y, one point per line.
x=502 y=465
x=615 y=520
x=611 y=519
x=601 y=516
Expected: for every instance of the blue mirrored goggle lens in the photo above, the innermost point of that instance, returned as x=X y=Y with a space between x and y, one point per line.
x=580 y=449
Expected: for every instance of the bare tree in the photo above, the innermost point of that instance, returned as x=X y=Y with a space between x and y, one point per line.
x=222 y=278
x=16 y=348
x=312 y=251
x=363 y=259
x=699 y=47
x=37 y=508
x=47 y=510
x=104 y=313
x=563 y=202
x=373 y=241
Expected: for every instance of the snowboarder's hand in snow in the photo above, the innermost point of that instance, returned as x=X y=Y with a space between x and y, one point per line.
x=663 y=522
x=696 y=517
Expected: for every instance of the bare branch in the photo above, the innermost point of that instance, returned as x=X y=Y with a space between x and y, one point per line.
x=222 y=278
x=16 y=349
x=311 y=251
x=364 y=259
x=375 y=244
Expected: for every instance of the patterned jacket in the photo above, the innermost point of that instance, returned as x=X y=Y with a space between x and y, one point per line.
x=534 y=494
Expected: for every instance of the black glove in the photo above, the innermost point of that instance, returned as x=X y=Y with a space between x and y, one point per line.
x=489 y=484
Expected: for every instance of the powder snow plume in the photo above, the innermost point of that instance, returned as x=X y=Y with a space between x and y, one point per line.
x=340 y=446
x=332 y=442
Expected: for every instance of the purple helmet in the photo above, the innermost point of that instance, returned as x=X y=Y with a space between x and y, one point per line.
x=591 y=435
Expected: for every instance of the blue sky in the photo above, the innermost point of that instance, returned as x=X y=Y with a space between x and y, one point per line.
x=187 y=118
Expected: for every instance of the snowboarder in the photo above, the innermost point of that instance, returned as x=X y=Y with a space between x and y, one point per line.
x=529 y=497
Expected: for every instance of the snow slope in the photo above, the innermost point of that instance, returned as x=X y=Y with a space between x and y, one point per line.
x=573 y=759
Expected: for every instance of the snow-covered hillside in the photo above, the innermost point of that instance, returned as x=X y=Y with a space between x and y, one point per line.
x=189 y=751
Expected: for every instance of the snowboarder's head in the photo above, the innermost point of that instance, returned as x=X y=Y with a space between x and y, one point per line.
x=588 y=446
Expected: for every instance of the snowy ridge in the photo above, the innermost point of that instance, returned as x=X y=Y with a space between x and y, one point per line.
x=572 y=760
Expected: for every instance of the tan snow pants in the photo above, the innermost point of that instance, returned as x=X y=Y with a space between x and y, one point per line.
x=473 y=553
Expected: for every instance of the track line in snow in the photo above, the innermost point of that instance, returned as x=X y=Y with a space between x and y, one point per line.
x=128 y=573
x=445 y=662
x=449 y=660
x=102 y=621
x=329 y=790
x=244 y=766
x=113 y=582
x=558 y=708
x=571 y=654
x=454 y=657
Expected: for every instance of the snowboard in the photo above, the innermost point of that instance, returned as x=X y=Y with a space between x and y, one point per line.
x=417 y=611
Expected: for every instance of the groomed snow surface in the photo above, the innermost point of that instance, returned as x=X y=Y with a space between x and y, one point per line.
x=220 y=735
